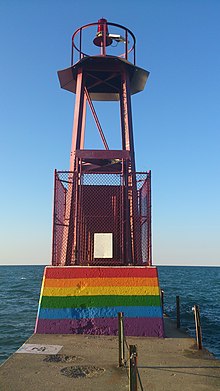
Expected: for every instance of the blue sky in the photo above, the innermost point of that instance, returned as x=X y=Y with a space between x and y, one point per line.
x=176 y=120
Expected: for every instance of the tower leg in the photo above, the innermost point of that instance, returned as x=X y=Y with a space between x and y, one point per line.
x=130 y=178
x=69 y=255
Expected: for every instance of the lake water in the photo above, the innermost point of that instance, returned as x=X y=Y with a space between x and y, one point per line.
x=20 y=290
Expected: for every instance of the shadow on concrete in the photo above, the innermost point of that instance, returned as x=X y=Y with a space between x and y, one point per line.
x=171 y=330
x=174 y=370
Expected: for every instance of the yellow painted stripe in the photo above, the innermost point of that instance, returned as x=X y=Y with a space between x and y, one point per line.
x=96 y=282
x=42 y=287
x=93 y=291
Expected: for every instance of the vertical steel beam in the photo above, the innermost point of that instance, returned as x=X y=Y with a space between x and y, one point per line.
x=82 y=139
x=128 y=144
x=79 y=216
x=79 y=118
x=126 y=45
x=54 y=243
x=69 y=239
x=126 y=118
x=104 y=39
x=149 y=220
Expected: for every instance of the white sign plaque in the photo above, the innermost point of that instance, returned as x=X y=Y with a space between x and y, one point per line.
x=103 y=245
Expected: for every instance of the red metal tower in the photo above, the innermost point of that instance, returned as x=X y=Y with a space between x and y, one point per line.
x=102 y=206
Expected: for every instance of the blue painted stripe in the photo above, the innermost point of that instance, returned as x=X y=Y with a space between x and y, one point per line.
x=109 y=312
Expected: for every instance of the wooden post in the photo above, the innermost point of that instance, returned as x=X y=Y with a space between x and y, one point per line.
x=177 y=312
x=198 y=326
x=132 y=368
x=121 y=341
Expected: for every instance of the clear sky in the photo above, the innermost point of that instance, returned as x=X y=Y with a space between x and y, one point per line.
x=176 y=120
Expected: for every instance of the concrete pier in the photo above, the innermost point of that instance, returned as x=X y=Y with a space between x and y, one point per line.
x=91 y=363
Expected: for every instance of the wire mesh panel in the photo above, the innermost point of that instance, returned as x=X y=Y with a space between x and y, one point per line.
x=100 y=207
x=58 y=217
x=101 y=219
x=144 y=190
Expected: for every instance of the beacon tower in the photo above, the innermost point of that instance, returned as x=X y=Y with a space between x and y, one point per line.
x=102 y=250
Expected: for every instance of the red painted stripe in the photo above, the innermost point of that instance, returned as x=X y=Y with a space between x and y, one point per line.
x=99 y=272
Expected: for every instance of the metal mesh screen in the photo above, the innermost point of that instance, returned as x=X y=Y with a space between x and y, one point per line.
x=101 y=219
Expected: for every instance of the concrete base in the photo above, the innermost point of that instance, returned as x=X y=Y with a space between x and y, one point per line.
x=86 y=300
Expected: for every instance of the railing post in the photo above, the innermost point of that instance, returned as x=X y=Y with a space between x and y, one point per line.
x=132 y=368
x=198 y=326
x=177 y=312
x=162 y=299
x=121 y=341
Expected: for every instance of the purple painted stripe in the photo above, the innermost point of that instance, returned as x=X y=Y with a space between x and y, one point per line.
x=140 y=327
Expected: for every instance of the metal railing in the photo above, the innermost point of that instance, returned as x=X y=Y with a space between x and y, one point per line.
x=196 y=311
x=198 y=326
x=129 y=41
x=131 y=362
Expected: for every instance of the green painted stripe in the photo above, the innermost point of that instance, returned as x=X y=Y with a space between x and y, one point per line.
x=98 y=301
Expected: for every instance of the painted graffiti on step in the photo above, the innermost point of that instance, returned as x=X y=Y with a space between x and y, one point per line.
x=39 y=349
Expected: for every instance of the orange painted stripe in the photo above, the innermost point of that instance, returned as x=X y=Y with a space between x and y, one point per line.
x=93 y=282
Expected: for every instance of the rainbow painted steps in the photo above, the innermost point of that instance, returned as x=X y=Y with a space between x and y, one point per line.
x=86 y=300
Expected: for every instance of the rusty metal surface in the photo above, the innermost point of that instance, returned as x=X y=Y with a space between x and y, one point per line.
x=103 y=77
x=101 y=154
x=101 y=203
x=102 y=196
